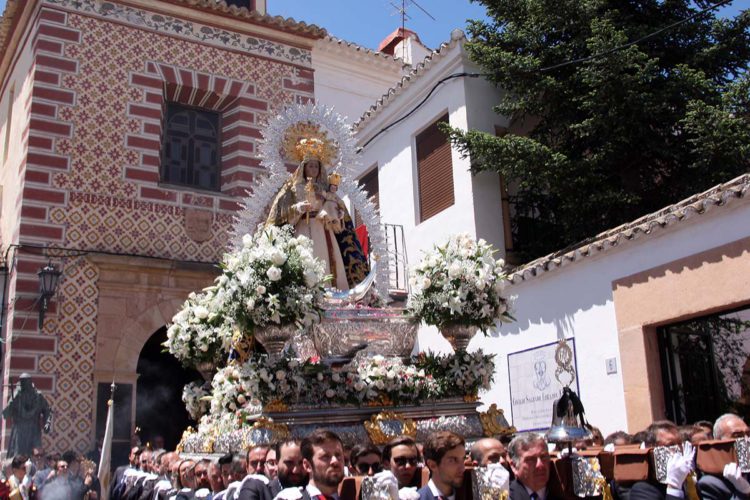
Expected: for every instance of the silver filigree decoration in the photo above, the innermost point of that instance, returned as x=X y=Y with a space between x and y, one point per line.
x=255 y=206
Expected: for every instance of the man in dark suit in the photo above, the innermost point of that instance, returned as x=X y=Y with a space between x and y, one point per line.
x=530 y=463
x=116 y=487
x=679 y=467
x=291 y=473
x=733 y=485
x=444 y=454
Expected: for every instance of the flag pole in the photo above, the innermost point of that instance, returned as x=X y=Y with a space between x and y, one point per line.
x=105 y=460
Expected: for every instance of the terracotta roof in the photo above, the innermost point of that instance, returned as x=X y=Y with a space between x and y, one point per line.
x=389 y=42
x=287 y=24
x=362 y=50
x=646 y=226
x=457 y=36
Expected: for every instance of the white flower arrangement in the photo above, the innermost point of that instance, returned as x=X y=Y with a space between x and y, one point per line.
x=272 y=278
x=460 y=283
x=196 y=399
x=243 y=389
x=199 y=333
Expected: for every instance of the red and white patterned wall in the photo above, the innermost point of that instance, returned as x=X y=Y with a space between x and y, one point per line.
x=92 y=169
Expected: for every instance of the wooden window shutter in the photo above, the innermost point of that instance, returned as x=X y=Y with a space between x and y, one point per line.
x=434 y=170
x=369 y=183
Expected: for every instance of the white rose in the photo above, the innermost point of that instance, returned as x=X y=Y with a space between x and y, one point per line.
x=200 y=312
x=278 y=257
x=330 y=393
x=426 y=282
x=241 y=399
x=250 y=304
x=273 y=273
x=454 y=270
x=247 y=241
x=260 y=289
x=311 y=279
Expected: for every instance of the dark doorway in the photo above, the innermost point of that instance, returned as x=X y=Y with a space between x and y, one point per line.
x=159 y=409
x=704 y=366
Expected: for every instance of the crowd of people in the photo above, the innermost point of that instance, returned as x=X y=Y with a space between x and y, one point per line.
x=314 y=468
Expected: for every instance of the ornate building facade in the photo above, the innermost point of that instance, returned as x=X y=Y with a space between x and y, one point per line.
x=130 y=131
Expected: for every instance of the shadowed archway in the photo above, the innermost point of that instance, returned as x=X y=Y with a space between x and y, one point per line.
x=159 y=407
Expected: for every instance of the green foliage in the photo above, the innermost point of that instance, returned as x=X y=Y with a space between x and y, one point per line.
x=601 y=142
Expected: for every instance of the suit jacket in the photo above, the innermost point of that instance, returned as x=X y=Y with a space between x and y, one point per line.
x=717 y=488
x=253 y=489
x=425 y=493
x=518 y=492
x=645 y=490
x=275 y=487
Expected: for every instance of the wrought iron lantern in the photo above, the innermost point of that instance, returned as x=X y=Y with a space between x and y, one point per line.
x=49 y=276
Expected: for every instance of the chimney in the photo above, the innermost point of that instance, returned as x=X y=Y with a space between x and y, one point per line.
x=404 y=44
x=257 y=5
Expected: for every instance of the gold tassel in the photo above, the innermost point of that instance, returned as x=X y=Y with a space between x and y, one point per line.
x=690 y=488
x=606 y=490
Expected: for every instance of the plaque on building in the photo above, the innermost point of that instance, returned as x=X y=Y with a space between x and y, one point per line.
x=198 y=224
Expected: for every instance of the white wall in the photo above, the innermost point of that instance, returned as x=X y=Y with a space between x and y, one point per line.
x=576 y=300
x=351 y=79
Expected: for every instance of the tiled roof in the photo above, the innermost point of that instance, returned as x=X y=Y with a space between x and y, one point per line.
x=648 y=225
x=287 y=24
x=457 y=36
x=343 y=44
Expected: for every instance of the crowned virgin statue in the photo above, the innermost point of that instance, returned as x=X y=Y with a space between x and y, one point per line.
x=308 y=200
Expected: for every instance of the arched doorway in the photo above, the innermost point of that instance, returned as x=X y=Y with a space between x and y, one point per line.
x=159 y=409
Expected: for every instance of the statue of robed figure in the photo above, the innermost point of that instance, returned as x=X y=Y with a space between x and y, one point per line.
x=30 y=414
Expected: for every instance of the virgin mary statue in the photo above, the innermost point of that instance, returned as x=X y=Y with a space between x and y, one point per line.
x=308 y=200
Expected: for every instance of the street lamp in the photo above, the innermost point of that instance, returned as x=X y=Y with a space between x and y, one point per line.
x=48 y=279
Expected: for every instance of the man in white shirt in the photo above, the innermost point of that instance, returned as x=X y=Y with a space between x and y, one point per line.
x=444 y=455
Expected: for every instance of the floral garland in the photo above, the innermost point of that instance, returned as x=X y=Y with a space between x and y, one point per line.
x=460 y=283
x=241 y=390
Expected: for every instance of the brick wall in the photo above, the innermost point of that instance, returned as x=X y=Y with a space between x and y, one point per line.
x=91 y=178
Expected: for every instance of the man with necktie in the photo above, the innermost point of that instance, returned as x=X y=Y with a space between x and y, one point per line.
x=530 y=462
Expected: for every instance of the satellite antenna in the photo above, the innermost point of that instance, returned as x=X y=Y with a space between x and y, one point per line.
x=402 y=10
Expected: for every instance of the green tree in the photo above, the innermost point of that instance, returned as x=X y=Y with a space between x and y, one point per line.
x=604 y=140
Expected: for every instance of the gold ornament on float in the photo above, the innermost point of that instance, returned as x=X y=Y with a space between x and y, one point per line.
x=378 y=436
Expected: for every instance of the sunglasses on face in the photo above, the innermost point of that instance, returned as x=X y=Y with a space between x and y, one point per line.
x=402 y=461
x=365 y=468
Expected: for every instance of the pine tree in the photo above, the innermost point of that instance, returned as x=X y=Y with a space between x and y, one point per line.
x=602 y=141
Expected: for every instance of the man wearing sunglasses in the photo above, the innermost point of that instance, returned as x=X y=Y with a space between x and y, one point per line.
x=401 y=457
x=366 y=460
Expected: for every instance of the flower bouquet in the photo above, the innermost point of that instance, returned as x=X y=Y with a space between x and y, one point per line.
x=272 y=286
x=459 y=287
x=199 y=334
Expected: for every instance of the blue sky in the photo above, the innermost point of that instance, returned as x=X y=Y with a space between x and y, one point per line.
x=367 y=22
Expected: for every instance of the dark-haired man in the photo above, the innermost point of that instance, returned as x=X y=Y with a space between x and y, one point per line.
x=401 y=457
x=444 y=454
x=323 y=460
x=291 y=471
x=666 y=433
